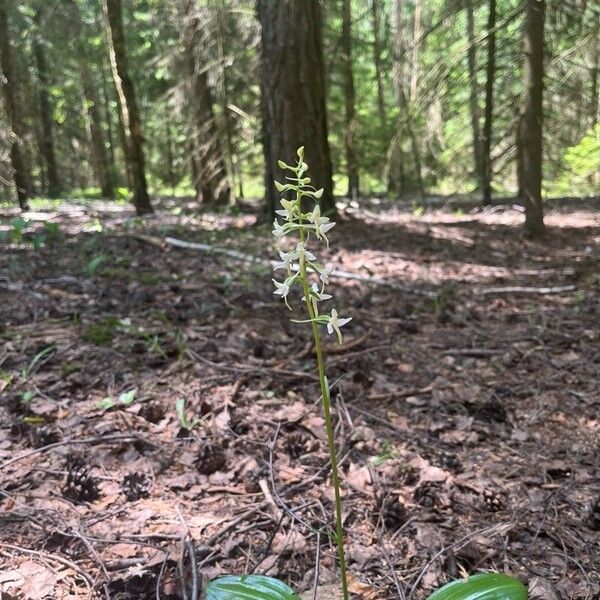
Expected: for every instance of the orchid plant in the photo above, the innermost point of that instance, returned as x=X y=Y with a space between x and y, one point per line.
x=303 y=270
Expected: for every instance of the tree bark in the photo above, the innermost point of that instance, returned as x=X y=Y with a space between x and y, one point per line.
x=134 y=153
x=18 y=156
x=531 y=123
x=416 y=49
x=293 y=94
x=349 y=93
x=212 y=184
x=46 y=109
x=474 y=94
x=486 y=183
x=377 y=61
x=92 y=105
x=397 y=171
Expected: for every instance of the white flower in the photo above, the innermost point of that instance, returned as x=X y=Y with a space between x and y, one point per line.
x=283 y=289
x=286 y=261
x=335 y=323
x=325 y=273
x=316 y=295
x=302 y=253
x=288 y=209
x=322 y=224
x=278 y=230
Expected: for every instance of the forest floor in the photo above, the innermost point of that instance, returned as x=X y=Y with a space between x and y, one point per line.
x=467 y=405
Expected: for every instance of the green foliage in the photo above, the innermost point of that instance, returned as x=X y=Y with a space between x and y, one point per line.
x=249 y=587
x=124 y=399
x=102 y=333
x=184 y=419
x=483 y=586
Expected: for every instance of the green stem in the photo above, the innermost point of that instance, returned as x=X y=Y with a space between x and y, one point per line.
x=339 y=525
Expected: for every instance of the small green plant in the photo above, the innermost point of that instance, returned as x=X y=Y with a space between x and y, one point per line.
x=184 y=419
x=251 y=587
x=482 y=586
x=124 y=399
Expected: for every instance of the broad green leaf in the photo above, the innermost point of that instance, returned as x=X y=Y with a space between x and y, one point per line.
x=127 y=398
x=483 y=586
x=106 y=403
x=249 y=587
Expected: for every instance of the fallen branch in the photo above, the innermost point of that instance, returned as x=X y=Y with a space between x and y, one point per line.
x=241 y=256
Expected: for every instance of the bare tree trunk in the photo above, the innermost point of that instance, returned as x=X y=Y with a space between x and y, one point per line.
x=349 y=92
x=405 y=122
x=486 y=183
x=18 y=156
x=531 y=124
x=92 y=104
x=474 y=93
x=377 y=61
x=46 y=109
x=416 y=48
x=212 y=184
x=293 y=93
x=131 y=119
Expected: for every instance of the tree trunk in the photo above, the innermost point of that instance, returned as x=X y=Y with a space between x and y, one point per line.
x=349 y=138
x=46 y=109
x=18 y=156
x=416 y=48
x=474 y=94
x=134 y=154
x=92 y=105
x=531 y=124
x=293 y=94
x=486 y=183
x=397 y=171
x=377 y=61
x=212 y=185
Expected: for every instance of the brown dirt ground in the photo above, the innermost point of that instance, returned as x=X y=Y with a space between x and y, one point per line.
x=467 y=415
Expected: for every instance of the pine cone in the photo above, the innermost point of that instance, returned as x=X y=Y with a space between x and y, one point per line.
x=494 y=501
x=136 y=486
x=80 y=485
x=210 y=460
x=297 y=444
x=392 y=512
x=594 y=515
x=426 y=495
x=44 y=436
x=450 y=462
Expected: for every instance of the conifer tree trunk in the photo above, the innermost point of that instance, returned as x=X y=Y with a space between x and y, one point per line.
x=486 y=184
x=293 y=93
x=134 y=153
x=211 y=181
x=92 y=104
x=18 y=156
x=46 y=109
x=377 y=61
x=531 y=122
x=474 y=93
x=349 y=92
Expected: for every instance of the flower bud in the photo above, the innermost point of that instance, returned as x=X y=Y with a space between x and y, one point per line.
x=318 y=193
x=300 y=152
x=279 y=186
x=281 y=164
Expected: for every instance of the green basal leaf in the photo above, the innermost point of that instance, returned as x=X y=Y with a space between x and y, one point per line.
x=127 y=398
x=483 y=586
x=249 y=587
